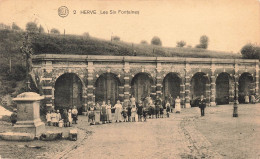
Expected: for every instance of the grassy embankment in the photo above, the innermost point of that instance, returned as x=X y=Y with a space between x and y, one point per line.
x=12 y=78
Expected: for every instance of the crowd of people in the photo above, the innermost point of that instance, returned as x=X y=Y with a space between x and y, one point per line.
x=64 y=119
x=132 y=111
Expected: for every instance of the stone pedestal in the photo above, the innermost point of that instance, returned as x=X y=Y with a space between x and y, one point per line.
x=28 y=114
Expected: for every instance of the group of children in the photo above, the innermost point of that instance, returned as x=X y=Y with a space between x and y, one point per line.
x=66 y=118
x=133 y=111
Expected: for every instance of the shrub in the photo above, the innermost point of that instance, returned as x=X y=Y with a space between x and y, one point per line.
x=156 y=41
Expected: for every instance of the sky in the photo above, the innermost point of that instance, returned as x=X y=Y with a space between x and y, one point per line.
x=229 y=24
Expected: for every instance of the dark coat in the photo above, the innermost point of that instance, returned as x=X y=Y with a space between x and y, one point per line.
x=202 y=103
x=129 y=111
x=140 y=109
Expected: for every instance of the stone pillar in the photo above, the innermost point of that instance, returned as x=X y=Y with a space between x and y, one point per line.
x=231 y=91
x=84 y=101
x=48 y=85
x=121 y=93
x=187 y=92
x=208 y=94
x=159 y=85
x=187 y=86
x=182 y=93
x=236 y=88
x=213 y=91
x=28 y=114
x=126 y=81
x=236 y=78
x=90 y=86
x=159 y=79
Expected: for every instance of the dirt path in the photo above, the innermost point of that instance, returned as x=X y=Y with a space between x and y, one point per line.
x=173 y=137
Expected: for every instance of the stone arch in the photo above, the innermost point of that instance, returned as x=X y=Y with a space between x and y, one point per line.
x=141 y=85
x=245 y=86
x=68 y=91
x=223 y=86
x=172 y=85
x=199 y=85
x=107 y=88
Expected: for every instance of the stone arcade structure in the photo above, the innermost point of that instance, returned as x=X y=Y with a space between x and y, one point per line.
x=67 y=80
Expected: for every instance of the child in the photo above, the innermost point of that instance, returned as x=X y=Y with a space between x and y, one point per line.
x=108 y=112
x=14 y=117
x=133 y=112
x=65 y=118
x=48 y=118
x=92 y=115
x=53 y=118
x=161 y=111
x=58 y=117
x=140 y=111
x=144 y=113
x=168 y=108
x=129 y=112
x=104 y=112
x=70 y=117
x=124 y=113
x=75 y=114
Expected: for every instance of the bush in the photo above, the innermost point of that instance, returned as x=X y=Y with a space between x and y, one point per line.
x=156 y=41
x=55 y=31
x=115 y=38
x=250 y=51
x=181 y=43
x=31 y=27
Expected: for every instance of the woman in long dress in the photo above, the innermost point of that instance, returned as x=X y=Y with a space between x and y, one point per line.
x=178 y=105
x=109 y=113
x=118 y=111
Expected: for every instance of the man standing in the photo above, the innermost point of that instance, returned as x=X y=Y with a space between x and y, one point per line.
x=158 y=103
x=202 y=105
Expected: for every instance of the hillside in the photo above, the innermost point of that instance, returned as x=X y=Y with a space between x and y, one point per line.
x=12 y=62
x=75 y=44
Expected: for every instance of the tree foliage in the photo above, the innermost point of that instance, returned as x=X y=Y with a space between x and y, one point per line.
x=115 y=38
x=55 y=31
x=204 y=42
x=144 y=42
x=156 y=41
x=181 y=43
x=250 y=51
x=15 y=27
x=41 y=29
x=32 y=27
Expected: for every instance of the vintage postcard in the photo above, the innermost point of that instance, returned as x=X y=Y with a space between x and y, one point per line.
x=129 y=79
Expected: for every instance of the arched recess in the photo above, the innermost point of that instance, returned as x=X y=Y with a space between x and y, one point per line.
x=107 y=88
x=141 y=86
x=223 y=88
x=245 y=86
x=68 y=91
x=171 y=86
x=199 y=86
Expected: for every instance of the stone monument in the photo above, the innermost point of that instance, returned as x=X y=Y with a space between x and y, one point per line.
x=28 y=114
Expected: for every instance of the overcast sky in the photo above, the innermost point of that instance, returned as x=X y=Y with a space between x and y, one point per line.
x=229 y=24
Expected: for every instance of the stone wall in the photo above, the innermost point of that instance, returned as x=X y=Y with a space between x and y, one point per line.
x=48 y=68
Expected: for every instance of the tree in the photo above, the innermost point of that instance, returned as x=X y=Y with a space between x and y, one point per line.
x=41 y=29
x=181 y=43
x=115 y=38
x=15 y=27
x=204 y=41
x=144 y=42
x=55 y=31
x=156 y=41
x=250 y=51
x=31 y=27
x=4 y=26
